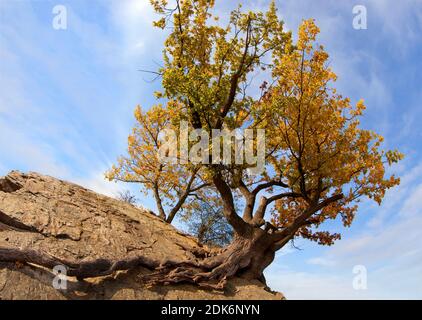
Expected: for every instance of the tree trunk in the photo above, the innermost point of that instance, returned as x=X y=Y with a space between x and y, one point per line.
x=247 y=256
x=255 y=253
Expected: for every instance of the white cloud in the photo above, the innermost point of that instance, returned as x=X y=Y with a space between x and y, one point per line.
x=412 y=205
x=22 y=150
x=134 y=20
x=304 y=286
x=319 y=261
x=59 y=129
x=386 y=245
x=400 y=21
x=395 y=196
x=97 y=183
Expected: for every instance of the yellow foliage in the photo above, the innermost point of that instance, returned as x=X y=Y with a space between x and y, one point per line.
x=314 y=141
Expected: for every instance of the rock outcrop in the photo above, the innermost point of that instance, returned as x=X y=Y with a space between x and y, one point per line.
x=70 y=223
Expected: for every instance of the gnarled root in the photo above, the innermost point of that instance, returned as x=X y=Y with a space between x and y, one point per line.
x=246 y=257
x=243 y=257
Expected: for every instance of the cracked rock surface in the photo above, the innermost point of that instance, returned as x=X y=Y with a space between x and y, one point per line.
x=72 y=223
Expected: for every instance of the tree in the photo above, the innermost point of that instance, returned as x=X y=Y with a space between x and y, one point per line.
x=320 y=163
x=208 y=224
x=170 y=184
x=127 y=196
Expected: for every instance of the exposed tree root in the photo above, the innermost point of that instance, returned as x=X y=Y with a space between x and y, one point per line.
x=243 y=257
x=209 y=272
x=82 y=269
x=167 y=272
x=208 y=268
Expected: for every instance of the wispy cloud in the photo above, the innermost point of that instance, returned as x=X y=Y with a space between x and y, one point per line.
x=319 y=261
x=68 y=96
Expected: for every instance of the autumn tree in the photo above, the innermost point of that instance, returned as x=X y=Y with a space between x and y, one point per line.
x=320 y=162
x=208 y=223
x=170 y=184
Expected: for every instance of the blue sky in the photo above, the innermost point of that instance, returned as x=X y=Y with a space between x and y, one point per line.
x=67 y=99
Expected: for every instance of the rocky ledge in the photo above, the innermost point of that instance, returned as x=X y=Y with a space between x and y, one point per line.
x=41 y=214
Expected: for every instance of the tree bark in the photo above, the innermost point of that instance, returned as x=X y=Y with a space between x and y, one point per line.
x=247 y=256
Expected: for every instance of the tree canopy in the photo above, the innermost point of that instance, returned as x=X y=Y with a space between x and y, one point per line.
x=320 y=162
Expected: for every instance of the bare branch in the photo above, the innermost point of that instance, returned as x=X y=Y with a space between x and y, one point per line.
x=269 y=184
x=258 y=218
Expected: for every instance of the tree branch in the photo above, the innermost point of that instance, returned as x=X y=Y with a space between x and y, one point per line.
x=269 y=184
x=264 y=202
x=239 y=225
x=184 y=196
x=284 y=235
x=234 y=82
x=249 y=199
x=158 y=201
